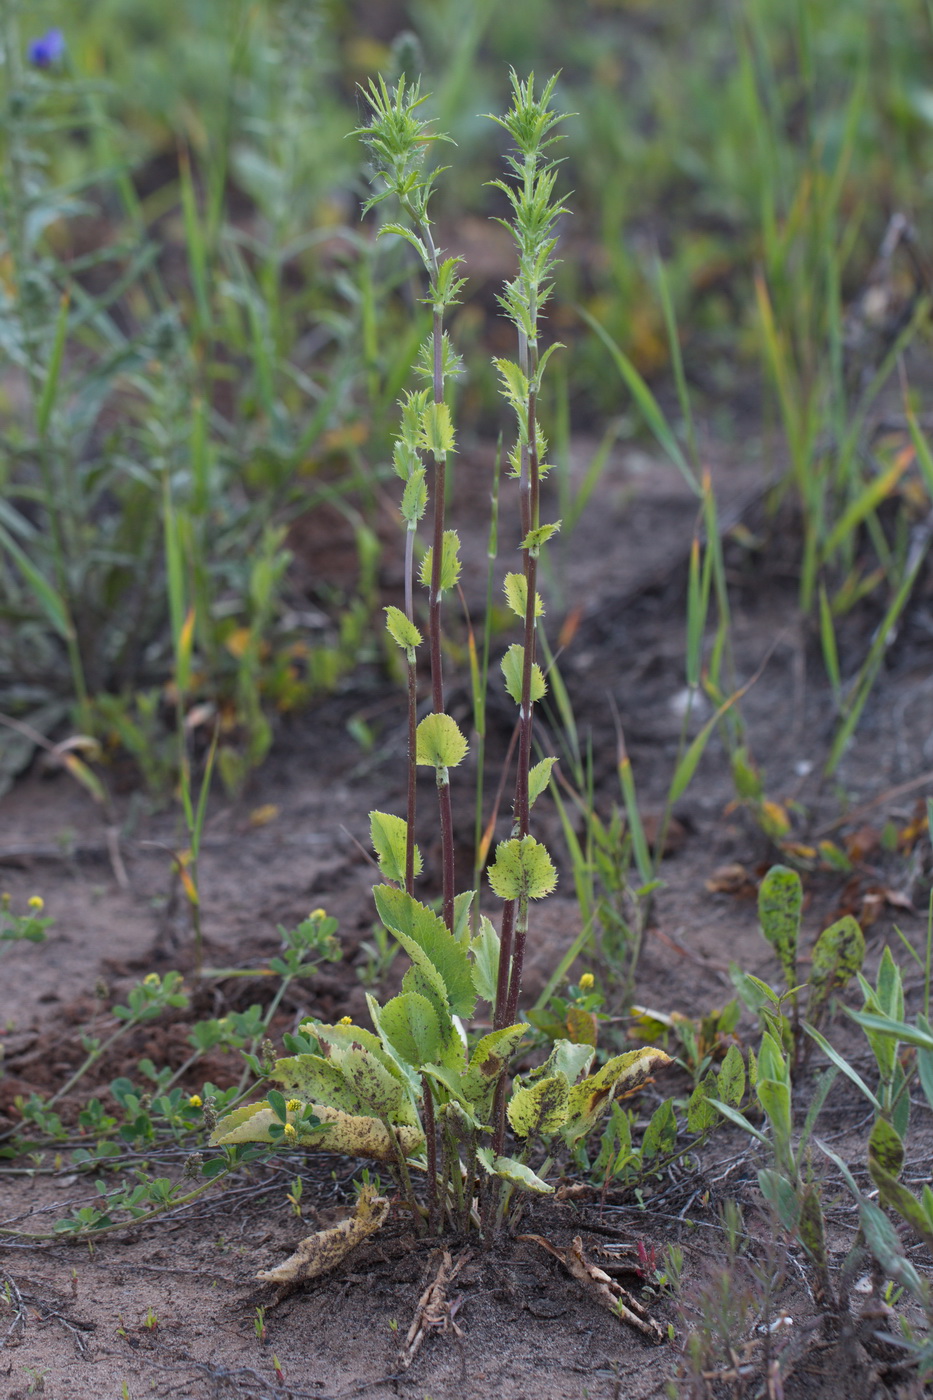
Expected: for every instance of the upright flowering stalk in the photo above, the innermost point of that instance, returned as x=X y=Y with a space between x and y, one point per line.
x=399 y=142
x=530 y=192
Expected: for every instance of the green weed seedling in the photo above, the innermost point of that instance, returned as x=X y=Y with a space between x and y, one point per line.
x=414 y=1093
x=789 y=1185
x=837 y=957
x=29 y=927
x=882 y=1020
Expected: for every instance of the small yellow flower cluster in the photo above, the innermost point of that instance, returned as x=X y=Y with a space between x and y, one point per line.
x=318 y=914
x=152 y=979
x=293 y=1105
x=289 y=1133
x=587 y=981
x=196 y=1101
x=345 y=1021
x=36 y=903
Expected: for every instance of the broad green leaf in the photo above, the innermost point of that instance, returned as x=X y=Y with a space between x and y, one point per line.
x=837 y=956
x=373 y=1084
x=511 y=1170
x=489 y=1061
x=885 y=1149
x=389 y=834
x=313 y=1079
x=350 y=1134
x=522 y=869
x=440 y=743
x=412 y=921
x=775 y=1099
x=539 y=1109
x=401 y=629
x=538 y=778
x=890 y=987
x=661 y=1133
x=516 y=595
x=618 y=1077
x=485 y=966
x=462 y=905
x=512 y=666
x=730 y=1083
x=701 y=1115
x=409 y=1023
x=450 y=562
x=568 y=1058
x=780 y=899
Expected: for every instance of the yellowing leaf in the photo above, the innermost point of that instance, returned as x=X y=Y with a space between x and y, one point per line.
x=516 y=595
x=238 y=641
x=323 y=1251
x=262 y=816
x=440 y=743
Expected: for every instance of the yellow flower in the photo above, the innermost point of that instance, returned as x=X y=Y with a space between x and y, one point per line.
x=345 y=1021
x=318 y=914
x=289 y=1133
x=152 y=980
x=586 y=981
x=37 y=903
x=196 y=1101
x=293 y=1105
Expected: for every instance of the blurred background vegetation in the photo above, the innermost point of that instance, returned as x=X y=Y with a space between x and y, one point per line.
x=204 y=344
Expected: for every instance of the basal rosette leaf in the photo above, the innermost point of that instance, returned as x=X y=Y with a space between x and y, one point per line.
x=510 y=1170
x=350 y=1134
x=489 y=1061
x=418 y=928
x=617 y=1078
x=538 y=1110
x=410 y=1024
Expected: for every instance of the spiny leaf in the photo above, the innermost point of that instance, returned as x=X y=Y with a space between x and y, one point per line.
x=516 y=595
x=512 y=665
x=389 y=835
x=437 y=432
x=522 y=869
x=450 y=562
x=538 y=778
x=401 y=629
x=440 y=744
x=536 y=538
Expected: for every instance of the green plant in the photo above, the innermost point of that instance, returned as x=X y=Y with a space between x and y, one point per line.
x=836 y=956
x=414 y=1094
x=29 y=927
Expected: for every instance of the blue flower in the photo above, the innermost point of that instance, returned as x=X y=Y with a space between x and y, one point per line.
x=43 y=52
